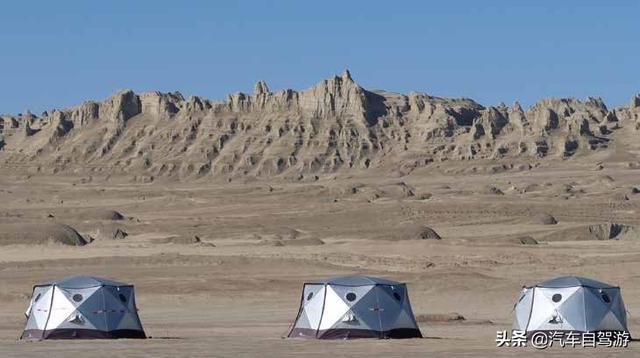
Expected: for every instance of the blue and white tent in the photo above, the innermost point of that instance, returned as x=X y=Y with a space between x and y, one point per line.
x=570 y=303
x=82 y=307
x=355 y=307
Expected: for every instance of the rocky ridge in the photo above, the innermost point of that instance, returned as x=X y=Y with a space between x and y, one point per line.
x=335 y=125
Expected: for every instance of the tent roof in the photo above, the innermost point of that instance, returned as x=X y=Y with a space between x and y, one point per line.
x=83 y=282
x=573 y=281
x=356 y=281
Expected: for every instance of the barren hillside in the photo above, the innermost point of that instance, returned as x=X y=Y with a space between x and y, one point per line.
x=334 y=126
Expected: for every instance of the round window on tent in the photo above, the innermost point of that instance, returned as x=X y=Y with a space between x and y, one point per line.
x=351 y=296
x=606 y=297
x=37 y=297
x=123 y=298
x=77 y=297
x=309 y=296
x=556 y=298
x=397 y=296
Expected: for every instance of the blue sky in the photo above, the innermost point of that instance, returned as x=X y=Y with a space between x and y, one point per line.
x=56 y=54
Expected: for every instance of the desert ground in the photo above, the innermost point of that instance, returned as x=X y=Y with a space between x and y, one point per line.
x=235 y=290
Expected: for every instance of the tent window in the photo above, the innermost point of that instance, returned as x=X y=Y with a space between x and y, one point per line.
x=37 y=297
x=556 y=298
x=77 y=297
x=122 y=298
x=397 y=296
x=309 y=296
x=606 y=297
x=351 y=296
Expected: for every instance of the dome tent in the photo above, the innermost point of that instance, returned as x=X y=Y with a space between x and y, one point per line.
x=570 y=303
x=355 y=307
x=82 y=307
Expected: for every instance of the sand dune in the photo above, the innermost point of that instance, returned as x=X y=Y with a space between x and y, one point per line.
x=39 y=234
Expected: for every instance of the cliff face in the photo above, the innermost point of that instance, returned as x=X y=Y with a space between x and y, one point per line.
x=334 y=125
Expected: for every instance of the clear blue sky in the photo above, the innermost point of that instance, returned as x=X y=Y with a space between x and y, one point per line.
x=59 y=53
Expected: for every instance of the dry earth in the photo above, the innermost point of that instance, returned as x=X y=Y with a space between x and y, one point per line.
x=234 y=293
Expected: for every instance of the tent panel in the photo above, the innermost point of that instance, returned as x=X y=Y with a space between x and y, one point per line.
x=408 y=309
x=564 y=292
x=612 y=299
x=617 y=307
x=303 y=322
x=124 y=295
x=522 y=309
x=545 y=313
x=356 y=281
x=364 y=314
x=541 y=309
x=39 y=308
x=131 y=304
x=92 y=308
x=116 y=306
x=38 y=293
x=611 y=323
x=334 y=309
x=77 y=295
x=77 y=320
x=595 y=308
x=85 y=282
x=351 y=295
x=572 y=310
x=572 y=281
x=61 y=309
x=129 y=321
x=32 y=323
x=404 y=320
x=391 y=301
x=313 y=302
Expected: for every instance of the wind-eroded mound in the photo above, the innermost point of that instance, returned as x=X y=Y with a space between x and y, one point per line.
x=104 y=214
x=545 y=219
x=87 y=214
x=40 y=234
x=184 y=240
x=416 y=232
x=95 y=214
x=613 y=231
x=289 y=237
x=393 y=190
x=526 y=240
x=606 y=231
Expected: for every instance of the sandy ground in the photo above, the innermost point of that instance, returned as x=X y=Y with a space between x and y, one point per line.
x=238 y=298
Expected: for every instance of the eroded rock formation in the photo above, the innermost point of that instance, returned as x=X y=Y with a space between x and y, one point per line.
x=334 y=125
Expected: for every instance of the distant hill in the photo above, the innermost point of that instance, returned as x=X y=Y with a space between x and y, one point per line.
x=334 y=126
